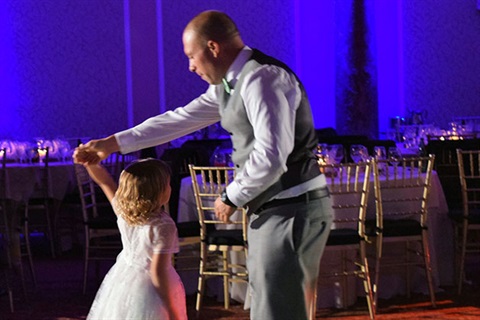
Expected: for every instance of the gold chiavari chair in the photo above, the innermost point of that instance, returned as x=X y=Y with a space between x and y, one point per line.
x=4 y=231
x=38 y=209
x=402 y=187
x=446 y=167
x=349 y=185
x=218 y=239
x=102 y=237
x=16 y=238
x=467 y=221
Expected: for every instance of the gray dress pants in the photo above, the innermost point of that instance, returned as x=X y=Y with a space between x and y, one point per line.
x=286 y=243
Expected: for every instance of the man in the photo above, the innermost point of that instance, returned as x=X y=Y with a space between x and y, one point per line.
x=263 y=105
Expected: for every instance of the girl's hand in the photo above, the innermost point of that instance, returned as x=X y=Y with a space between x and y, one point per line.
x=84 y=157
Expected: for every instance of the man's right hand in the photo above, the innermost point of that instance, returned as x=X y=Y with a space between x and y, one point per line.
x=95 y=151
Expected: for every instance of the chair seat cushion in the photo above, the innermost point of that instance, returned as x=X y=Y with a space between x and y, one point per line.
x=188 y=229
x=457 y=216
x=225 y=237
x=395 y=228
x=343 y=237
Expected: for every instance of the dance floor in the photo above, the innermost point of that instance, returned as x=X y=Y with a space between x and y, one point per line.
x=58 y=296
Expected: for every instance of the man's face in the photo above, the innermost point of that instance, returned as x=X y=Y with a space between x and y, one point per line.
x=201 y=60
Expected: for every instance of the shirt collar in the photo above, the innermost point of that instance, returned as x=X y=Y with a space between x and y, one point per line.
x=232 y=74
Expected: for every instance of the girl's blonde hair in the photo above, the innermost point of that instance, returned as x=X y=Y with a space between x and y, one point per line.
x=141 y=185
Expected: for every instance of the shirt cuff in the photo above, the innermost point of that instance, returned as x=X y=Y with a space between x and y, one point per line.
x=126 y=141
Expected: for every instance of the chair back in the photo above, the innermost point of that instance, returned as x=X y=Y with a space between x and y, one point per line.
x=402 y=189
x=208 y=184
x=349 y=185
x=469 y=171
x=446 y=166
x=46 y=184
x=87 y=193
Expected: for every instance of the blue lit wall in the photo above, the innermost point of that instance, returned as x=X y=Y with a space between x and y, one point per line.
x=8 y=77
x=63 y=69
x=315 y=51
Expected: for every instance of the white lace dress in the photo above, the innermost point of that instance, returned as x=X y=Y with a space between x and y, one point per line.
x=127 y=291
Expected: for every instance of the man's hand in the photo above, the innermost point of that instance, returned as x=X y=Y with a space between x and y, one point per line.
x=223 y=212
x=84 y=157
x=95 y=151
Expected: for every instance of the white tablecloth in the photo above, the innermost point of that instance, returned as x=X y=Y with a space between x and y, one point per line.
x=22 y=179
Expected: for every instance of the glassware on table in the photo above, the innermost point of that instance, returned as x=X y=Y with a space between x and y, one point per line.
x=322 y=153
x=220 y=157
x=394 y=156
x=380 y=153
x=40 y=141
x=21 y=151
x=65 y=152
x=52 y=150
x=410 y=136
x=30 y=152
x=8 y=148
x=358 y=153
x=336 y=152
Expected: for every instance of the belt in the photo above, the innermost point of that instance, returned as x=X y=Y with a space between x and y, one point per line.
x=304 y=197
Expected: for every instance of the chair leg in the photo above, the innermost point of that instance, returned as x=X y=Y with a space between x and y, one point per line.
x=200 y=292
x=85 y=265
x=201 y=278
x=18 y=268
x=378 y=257
x=9 y=287
x=49 y=230
x=463 y=252
x=367 y=284
x=226 y=279
x=344 y=286
x=30 y=259
x=26 y=236
x=428 y=269
x=407 y=270
x=10 y=299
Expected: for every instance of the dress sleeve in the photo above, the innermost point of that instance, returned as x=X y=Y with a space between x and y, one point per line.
x=164 y=236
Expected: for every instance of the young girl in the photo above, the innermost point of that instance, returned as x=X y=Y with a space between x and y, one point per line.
x=143 y=283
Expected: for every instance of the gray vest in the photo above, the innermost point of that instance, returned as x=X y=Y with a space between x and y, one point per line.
x=301 y=163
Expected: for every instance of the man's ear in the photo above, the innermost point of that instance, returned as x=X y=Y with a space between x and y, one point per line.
x=213 y=47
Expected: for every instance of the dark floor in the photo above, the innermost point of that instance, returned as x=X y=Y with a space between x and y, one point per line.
x=58 y=296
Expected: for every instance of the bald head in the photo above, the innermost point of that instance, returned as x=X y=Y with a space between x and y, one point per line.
x=211 y=42
x=214 y=25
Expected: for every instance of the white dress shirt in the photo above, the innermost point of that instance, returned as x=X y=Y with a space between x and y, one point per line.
x=271 y=96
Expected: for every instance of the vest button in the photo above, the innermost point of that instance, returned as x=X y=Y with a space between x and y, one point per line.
x=230 y=133
x=234 y=149
x=237 y=165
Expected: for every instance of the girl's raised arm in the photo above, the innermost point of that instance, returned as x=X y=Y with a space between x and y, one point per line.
x=103 y=178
